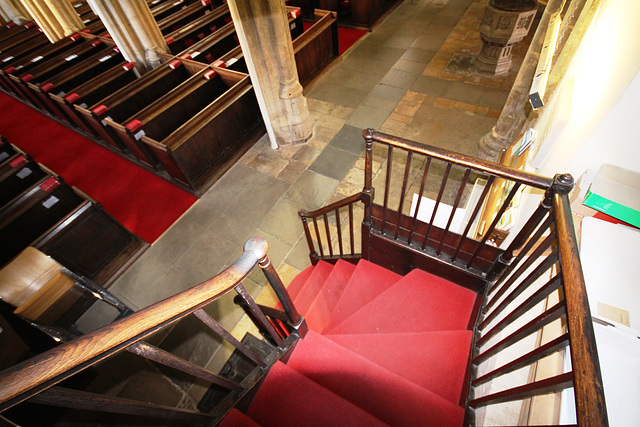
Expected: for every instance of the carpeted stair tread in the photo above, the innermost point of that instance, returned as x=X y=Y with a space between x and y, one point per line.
x=366 y=283
x=384 y=394
x=312 y=286
x=296 y=284
x=236 y=418
x=436 y=361
x=419 y=302
x=320 y=310
x=288 y=398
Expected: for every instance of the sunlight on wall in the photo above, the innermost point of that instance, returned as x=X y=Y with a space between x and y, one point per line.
x=604 y=65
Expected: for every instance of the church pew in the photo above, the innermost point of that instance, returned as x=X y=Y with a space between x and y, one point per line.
x=6 y=151
x=182 y=17
x=32 y=34
x=26 y=62
x=161 y=10
x=214 y=46
x=314 y=49
x=23 y=50
x=32 y=214
x=66 y=80
x=50 y=66
x=16 y=176
x=18 y=32
x=135 y=96
x=68 y=225
x=317 y=47
x=78 y=99
x=197 y=30
x=195 y=149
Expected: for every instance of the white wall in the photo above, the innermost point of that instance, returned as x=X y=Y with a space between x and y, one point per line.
x=605 y=120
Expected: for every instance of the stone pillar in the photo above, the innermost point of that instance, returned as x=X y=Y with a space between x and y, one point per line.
x=14 y=11
x=133 y=28
x=505 y=23
x=515 y=111
x=56 y=18
x=265 y=38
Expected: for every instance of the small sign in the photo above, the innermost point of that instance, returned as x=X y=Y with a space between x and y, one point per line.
x=52 y=200
x=23 y=173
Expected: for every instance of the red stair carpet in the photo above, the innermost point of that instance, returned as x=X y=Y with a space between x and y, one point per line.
x=382 y=350
x=144 y=203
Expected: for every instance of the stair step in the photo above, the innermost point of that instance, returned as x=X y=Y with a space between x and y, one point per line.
x=436 y=361
x=288 y=398
x=236 y=418
x=312 y=286
x=419 y=302
x=366 y=283
x=386 y=395
x=320 y=310
x=298 y=282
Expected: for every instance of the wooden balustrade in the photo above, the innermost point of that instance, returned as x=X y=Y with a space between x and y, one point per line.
x=534 y=282
x=36 y=379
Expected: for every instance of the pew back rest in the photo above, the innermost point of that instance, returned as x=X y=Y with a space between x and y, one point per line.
x=177 y=107
x=105 y=84
x=86 y=69
x=143 y=91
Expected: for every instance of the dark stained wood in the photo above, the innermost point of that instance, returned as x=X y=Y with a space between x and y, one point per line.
x=549 y=385
x=68 y=398
x=590 y=403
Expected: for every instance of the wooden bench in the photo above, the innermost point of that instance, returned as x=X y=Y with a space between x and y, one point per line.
x=198 y=29
x=69 y=78
x=17 y=175
x=135 y=96
x=49 y=67
x=214 y=46
x=196 y=135
x=78 y=99
x=359 y=13
x=30 y=34
x=31 y=59
x=63 y=222
x=183 y=17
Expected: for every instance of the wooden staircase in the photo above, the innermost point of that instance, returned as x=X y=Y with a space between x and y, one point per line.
x=382 y=350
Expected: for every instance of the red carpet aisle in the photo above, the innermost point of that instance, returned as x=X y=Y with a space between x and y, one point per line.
x=382 y=350
x=144 y=203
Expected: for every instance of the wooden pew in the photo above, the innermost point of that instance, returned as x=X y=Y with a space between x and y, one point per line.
x=30 y=60
x=69 y=226
x=198 y=29
x=44 y=66
x=16 y=176
x=17 y=33
x=92 y=91
x=66 y=80
x=31 y=35
x=183 y=17
x=314 y=49
x=163 y=9
x=132 y=98
x=6 y=151
x=196 y=147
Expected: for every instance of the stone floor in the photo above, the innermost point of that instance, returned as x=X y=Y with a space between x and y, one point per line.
x=410 y=77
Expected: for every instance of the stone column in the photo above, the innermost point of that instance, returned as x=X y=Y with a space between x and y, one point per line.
x=131 y=25
x=56 y=18
x=265 y=38
x=505 y=23
x=14 y=11
x=515 y=111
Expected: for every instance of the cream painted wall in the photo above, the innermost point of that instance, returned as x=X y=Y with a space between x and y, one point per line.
x=605 y=124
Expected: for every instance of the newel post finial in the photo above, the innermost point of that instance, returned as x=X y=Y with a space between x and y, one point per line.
x=258 y=245
x=563 y=183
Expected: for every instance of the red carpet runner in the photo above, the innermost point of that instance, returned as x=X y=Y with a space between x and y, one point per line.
x=144 y=203
x=382 y=350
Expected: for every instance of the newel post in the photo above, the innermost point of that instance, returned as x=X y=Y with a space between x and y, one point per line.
x=367 y=192
x=259 y=247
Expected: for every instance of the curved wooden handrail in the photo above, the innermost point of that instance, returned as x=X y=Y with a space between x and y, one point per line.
x=527 y=178
x=591 y=408
x=30 y=377
x=302 y=213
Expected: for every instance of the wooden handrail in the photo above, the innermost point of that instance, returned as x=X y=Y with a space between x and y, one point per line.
x=591 y=409
x=527 y=178
x=41 y=372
